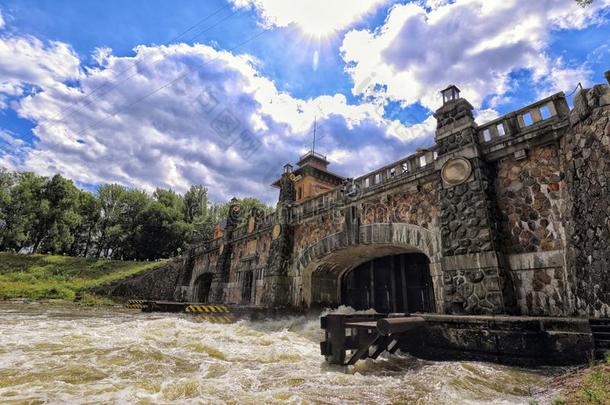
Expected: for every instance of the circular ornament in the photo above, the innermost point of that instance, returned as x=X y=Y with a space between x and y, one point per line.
x=456 y=171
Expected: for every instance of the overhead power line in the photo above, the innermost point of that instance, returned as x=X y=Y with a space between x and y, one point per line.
x=165 y=85
x=72 y=110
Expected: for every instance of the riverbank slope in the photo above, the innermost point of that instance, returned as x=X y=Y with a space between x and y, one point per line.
x=60 y=277
x=589 y=385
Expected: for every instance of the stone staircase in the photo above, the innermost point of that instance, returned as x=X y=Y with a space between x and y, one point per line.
x=601 y=335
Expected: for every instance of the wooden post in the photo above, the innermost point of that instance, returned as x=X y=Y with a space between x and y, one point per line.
x=372 y=271
x=393 y=284
x=405 y=300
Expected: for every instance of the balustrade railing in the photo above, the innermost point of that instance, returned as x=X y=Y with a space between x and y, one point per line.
x=543 y=112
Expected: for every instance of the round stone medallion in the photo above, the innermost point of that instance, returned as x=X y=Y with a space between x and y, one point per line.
x=456 y=171
x=277 y=230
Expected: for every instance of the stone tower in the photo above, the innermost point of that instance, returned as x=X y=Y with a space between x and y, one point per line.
x=473 y=270
x=276 y=291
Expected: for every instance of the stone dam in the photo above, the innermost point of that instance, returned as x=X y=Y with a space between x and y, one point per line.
x=498 y=235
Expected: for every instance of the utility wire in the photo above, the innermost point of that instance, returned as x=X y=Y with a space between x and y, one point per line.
x=75 y=110
x=579 y=85
x=168 y=84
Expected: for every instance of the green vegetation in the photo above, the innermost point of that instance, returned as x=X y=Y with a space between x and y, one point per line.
x=53 y=216
x=43 y=277
x=590 y=386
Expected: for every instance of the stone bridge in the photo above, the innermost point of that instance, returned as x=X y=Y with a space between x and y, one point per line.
x=508 y=217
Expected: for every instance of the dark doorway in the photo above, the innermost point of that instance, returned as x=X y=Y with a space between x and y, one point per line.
x=399 y=283
x=246 y=287
x=202 y=287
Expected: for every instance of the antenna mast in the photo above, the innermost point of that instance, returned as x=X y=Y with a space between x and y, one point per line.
x=315 y=124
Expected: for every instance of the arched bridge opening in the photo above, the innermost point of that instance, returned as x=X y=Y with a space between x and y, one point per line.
x=384 y=278
x=395 y=283
x=391 y=267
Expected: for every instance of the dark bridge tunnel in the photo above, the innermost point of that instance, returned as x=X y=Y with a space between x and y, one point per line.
x=397 y=283
x=387 y=278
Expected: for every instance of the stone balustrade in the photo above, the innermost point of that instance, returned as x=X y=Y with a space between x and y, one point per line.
x=531 y=118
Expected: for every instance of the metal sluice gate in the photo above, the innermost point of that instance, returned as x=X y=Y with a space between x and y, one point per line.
x=365 y=336
x=200 y=312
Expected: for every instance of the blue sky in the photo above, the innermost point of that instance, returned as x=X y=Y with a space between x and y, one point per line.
x=112 y=92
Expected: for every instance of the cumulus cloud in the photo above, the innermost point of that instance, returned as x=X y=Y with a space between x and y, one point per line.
x=27 y=61
x=317 y=17
x=1 y=20
x=475 y=44
x=172 y=116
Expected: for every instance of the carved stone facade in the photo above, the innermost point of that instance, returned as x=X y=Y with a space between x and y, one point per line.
x=513 y=217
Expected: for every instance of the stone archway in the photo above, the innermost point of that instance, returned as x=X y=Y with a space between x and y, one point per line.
x=394 y=283
x=322 y=264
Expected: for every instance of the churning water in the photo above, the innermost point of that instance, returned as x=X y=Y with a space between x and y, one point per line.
x=71 y=354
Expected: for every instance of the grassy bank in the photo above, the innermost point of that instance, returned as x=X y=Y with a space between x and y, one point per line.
x=59 y=277
x=589 y=385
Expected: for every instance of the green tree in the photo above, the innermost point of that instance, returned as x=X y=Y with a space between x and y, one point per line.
x=59 y=217
x=7 y=181
x=162 y=232
x=195 y=203
x=89 y=211
x=133 y=203
x=170 y=199
x=53 y=215
x=120 y=209
x=110 y=199
x=26 y=208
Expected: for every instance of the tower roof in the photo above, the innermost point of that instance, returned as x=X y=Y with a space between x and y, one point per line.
x=316 y=165
x=313 y=159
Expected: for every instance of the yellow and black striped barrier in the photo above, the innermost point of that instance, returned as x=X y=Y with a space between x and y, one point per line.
x=206 y=308
x=135 y=304
x=210 y=313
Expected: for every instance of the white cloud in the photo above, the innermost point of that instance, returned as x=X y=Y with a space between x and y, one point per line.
x=28 y=61
x=474 y=44
x=171 y=137
x=101 y=55
x=486 y=115
x=316 y=17
x=1 y=20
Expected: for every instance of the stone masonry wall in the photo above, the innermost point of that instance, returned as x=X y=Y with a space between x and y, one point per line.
x=541 y=291
x=315 y=229
x=587 y=166
x=530 y=203
x=419 y=207
x=154 y=284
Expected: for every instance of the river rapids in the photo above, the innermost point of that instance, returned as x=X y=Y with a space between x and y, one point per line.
x=72 y=354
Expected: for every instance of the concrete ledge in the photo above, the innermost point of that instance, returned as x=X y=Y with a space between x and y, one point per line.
x=536 y=260
x=470 y=261
x=527 y=341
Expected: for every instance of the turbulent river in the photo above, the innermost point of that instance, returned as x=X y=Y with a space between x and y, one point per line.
x=71 y=354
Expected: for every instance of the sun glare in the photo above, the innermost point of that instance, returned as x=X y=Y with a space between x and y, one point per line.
x=317 y=28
